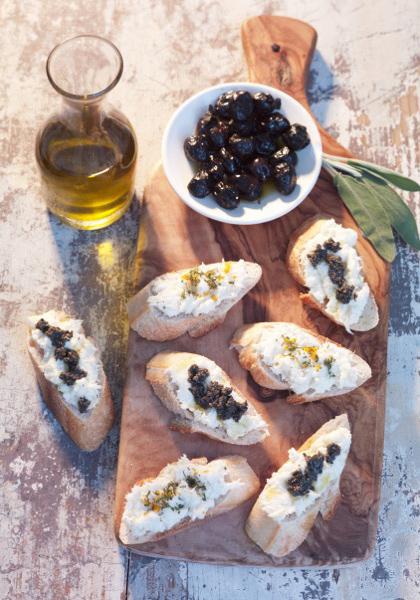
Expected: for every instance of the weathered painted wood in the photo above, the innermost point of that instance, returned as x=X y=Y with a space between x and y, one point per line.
x=363 y=89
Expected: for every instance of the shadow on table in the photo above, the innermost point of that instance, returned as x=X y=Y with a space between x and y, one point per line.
x=97 y=271
x=320 y=88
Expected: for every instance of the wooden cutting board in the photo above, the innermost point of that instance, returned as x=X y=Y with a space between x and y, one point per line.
x=172 y=237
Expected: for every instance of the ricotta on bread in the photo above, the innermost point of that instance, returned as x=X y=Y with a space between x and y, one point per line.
x=322 y=256
x=204 y=399
x=305 y=485
x=70 y=374
x=283 y=355
x=185 y=492
x=191 y=300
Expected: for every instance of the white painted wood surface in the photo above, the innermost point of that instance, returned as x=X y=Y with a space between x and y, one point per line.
x=56 y=538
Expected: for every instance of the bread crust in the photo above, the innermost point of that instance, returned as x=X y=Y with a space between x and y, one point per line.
x=281 y=538
x=158 y=374
x=87 y=430
x=151 y=324
x=243 y=341
x=307 y=230
x=238 y=470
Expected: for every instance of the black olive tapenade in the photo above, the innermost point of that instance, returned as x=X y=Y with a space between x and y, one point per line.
x=345 y=293
x=57 y=336
x=70 y=358
x=332 y=246
x=333 y=450
x=302 y=482
x=317 y=256
x=336 y=269
x=214 y=395
x=70 y=377
x=83 y=404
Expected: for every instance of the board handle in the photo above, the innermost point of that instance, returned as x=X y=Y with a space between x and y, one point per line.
x=287 y=69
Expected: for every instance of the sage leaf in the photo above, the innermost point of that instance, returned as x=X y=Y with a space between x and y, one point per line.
x=400 y=181
x=369 y=214
x=399 y=214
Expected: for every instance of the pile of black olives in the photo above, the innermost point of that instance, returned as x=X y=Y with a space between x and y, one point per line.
x=240 y=143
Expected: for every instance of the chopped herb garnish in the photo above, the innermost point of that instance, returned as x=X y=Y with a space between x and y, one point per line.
x=195 y=482
x=159 y=499
x=211 y=279
x=328 y=362
x=305 y=356
x=192 y=278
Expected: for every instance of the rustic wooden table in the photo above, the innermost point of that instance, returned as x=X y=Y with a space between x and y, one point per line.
x=56 y=504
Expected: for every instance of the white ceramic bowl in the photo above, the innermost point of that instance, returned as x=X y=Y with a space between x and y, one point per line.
x=179 y=169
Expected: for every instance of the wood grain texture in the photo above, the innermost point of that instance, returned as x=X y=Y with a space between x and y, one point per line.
x=56 y=534
x=289 y=68
x=175 y=237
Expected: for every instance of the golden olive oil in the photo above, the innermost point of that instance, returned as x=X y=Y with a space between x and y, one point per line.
x=87 y=167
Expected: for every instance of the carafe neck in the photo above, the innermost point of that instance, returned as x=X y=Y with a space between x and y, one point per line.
x=84 y=116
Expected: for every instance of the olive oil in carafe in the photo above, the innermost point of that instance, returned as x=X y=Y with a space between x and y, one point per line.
x=88 y=171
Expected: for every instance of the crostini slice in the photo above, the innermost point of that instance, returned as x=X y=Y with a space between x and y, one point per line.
x=322 y=257
x=204 y=399
x=184 y=493
x=307 y=484
x=285 y=356
x=193 y=300
x=69 y=372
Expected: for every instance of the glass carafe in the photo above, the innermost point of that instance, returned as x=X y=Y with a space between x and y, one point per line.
x=87 y=151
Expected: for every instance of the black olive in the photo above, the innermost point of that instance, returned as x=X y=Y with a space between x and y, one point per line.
x=226 y=195
x=264 y=144
x=230 y=162
x=200 y=185
x=223 y=105
x=260 y=168
x=296 y=137
x=205 y=123
x=285 y=155
x=275 y=124
x=215 y=169
x=242 y=147
x=284 y=176
x=243 y=128
x=242 y=105
x=248 y=186
x=218 y=135
x=265 y=103
x=196 y=148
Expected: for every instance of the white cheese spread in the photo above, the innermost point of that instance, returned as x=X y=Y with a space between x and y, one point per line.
x=320 y=285
x=200 y=290
x=306 y=364
x=181 y=490
x=87 y=387
x=234 y=429
x=277 y=501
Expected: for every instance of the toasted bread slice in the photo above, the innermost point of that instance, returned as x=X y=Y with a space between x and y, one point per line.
x=214 y=488
x=295 y=260
x=87 y=429
x=171 y=304
x=283 y=356
x=167 y=372
x=279 y=522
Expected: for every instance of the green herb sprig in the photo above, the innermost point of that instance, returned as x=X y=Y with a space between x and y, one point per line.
x=366 y=190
